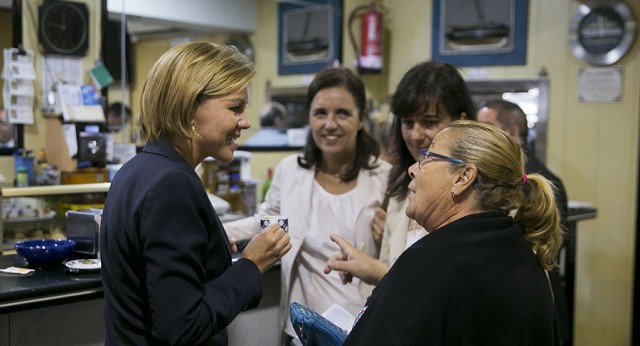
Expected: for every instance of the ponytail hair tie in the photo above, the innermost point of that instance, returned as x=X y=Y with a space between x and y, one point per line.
x=524 y=179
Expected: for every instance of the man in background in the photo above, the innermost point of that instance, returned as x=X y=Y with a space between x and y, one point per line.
x=118 y=116
x=119 y=123
x=273 y=126
x=509 y=117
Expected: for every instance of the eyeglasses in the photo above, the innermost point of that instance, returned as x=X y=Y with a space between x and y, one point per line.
x=424 y=154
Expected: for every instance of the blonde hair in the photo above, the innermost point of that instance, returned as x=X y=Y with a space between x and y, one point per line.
x=182 y=78
x=502 y=185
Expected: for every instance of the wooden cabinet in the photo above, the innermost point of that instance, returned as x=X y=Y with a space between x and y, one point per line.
x=78 y=323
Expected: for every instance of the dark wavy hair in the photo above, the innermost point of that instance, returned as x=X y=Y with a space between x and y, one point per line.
x=424 y=86
x=366 y=146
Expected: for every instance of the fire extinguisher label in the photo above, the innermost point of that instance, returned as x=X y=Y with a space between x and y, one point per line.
x=371 y=45
x=371 y=62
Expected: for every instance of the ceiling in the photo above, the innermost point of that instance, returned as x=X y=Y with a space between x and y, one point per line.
x=141 y=28
x=170 y=18
x=179 y=18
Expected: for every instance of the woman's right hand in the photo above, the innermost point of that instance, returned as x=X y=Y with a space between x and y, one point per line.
x=267 y=247
x=350 y=262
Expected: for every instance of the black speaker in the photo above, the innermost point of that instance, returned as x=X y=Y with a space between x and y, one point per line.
x=92 y=147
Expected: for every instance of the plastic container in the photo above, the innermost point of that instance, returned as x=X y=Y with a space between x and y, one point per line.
x=27 y=162
x=267 y=184
x=22 y=177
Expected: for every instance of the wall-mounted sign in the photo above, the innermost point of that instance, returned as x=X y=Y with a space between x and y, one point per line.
x=600 y=84
x=602 y=32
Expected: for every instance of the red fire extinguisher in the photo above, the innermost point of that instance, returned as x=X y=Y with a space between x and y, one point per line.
x=369 y=56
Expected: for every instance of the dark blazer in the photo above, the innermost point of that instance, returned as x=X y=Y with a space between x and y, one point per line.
x=166 y=264
x=472 y=282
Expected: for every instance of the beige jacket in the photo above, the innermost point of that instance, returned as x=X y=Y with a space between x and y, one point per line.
x=396 y=226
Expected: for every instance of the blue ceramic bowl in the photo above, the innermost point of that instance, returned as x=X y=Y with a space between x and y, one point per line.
x=45 y=251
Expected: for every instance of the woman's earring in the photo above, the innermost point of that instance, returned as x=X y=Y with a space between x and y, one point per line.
x=453 y=194
x=193 y=126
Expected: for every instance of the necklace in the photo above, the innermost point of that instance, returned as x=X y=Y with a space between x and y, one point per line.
x=324 y=171
x=337 y=175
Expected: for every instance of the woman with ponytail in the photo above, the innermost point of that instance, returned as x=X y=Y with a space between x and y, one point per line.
x=479 y=278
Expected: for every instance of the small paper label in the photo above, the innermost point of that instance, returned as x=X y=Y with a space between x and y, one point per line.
x=16 y=270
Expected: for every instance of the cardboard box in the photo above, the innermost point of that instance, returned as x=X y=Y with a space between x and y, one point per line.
x=85 y=176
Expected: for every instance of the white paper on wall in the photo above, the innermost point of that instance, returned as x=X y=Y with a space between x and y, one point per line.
x=17 y=89
x=600 y=84
x=18 y=64
x=19 y=114
x=70 y=137
x=74 y=107
x=58 y=70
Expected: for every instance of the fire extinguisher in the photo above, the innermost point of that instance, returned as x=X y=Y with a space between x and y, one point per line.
x=369 y=56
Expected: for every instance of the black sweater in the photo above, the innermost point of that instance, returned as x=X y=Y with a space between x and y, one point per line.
x=472 y=282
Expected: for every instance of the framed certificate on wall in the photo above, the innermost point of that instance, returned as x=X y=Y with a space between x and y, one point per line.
x=480 y=33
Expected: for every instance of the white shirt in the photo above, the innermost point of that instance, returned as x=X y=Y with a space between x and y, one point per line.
x=333 y=214
x=415 y=233
x=290 y=194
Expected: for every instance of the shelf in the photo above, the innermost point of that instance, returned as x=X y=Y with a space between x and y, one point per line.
x=36 y=191
x=64 y=197
x=47 y=217
x=577 y=214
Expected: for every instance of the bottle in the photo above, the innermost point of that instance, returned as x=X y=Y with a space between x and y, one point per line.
x=22 y=178
x=267 y=184
x=41 y=167
x=41 y=156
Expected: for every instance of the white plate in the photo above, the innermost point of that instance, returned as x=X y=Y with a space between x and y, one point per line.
x=84 y=264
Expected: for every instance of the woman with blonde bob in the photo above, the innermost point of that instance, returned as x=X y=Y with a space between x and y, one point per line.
x=478 y=277
x=166 y=263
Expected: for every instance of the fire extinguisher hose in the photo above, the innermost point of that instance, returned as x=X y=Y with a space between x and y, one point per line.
x=352 y=37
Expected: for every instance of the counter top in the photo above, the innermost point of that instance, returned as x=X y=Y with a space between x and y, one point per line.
x=576 y=214
x=55 y=285
x=45 y=286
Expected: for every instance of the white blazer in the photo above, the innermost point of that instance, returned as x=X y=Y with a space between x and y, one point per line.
x=290 y=195
x=396 y=227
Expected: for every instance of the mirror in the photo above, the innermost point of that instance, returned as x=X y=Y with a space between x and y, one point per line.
x=10 y=135
x=284 y=121
x=532 y=95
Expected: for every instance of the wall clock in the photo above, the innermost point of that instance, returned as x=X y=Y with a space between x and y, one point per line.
x=63 y=27
x=602 y=32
